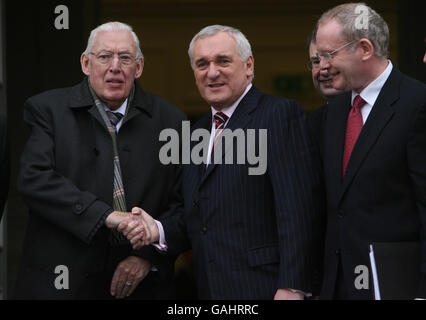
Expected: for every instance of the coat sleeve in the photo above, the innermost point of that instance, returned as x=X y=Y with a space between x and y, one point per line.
x=47 y=193
x=294 y=169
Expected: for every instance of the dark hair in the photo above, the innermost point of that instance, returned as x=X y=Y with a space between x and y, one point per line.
x=311 y=38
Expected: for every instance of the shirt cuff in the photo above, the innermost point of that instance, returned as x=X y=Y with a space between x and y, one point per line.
x=161 y=245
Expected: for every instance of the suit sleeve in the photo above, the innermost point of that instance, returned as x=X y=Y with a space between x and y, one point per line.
x=293 y=165
x=416 y=155
x=46 y=192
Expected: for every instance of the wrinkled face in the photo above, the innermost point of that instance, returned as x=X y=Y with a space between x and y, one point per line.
x=220 y=75
x=322 y=82
x=344 y=69
x=112 y=81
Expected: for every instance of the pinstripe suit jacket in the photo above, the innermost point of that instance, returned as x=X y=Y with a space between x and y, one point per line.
x=252 y=234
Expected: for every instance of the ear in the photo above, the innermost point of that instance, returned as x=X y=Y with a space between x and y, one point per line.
x=250 y=66
x=367 y=49
x=84 y=61
x=139 y=68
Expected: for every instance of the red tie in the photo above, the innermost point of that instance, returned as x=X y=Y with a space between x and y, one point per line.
x=353 y=129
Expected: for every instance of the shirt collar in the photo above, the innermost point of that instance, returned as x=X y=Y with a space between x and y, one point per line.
x=230 y=110
x=371 y=92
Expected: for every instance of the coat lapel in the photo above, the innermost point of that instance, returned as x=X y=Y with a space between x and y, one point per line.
x=335 y=133
x=239 y=120
x=380 y=115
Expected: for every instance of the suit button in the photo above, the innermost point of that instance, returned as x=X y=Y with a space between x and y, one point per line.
x=195 y=203
x=340 y=214
x=337 y=252
x=204 y=230
x=78 y=207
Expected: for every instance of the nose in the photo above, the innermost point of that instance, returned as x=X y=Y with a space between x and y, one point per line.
x=324 y=63
x=212 y=71
x=115 y=64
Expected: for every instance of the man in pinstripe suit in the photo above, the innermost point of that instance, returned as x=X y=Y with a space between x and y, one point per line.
x=252 y=236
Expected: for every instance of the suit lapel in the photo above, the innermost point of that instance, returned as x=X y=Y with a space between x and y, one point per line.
x=380 y=115
x=239 y=120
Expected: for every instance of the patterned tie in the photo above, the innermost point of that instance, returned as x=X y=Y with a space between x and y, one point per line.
x=114 y=118
x=219 y=119
x=353 y=129
x=118 y=196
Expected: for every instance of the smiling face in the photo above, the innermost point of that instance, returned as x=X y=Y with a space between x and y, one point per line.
x=345 y=69
x=220 y=75
x=322 y=82
x=112 y=81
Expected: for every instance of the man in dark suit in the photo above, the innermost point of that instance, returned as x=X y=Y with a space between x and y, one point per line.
x=373 y=144
x=253 y=236
x=82 y=171
x=4 y=163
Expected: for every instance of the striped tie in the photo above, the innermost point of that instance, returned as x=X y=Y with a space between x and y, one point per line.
x=114 y=118
x=219 y=119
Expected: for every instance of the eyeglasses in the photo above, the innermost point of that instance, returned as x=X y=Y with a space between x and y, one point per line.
x=314 y=62
x=105 y=57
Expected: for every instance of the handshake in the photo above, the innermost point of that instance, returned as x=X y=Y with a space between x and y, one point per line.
x=137 y=226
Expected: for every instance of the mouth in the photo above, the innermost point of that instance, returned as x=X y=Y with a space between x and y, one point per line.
x=215 y=85
x=327 y=80
x=115 y=82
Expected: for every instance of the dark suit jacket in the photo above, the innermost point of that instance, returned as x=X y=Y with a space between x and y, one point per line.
x=66 y=180
x=4 y=163
x=252 y=234
x=382 y=197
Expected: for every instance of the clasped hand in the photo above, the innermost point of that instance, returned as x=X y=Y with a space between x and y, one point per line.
x=138 y=226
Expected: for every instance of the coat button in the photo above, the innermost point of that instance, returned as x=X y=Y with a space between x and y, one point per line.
x=195 y=203
x=78 y=207
x=204 y=230
x=337 y=252
x=340 y=214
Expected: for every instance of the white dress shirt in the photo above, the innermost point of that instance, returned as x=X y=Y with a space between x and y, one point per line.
x=371 y=92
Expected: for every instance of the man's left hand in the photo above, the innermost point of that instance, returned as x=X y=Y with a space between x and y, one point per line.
x=129 y=273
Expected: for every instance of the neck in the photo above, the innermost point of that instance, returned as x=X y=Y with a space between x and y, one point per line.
x=373 y=70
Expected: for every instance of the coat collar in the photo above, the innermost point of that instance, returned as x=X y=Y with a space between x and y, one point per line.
x=81 y=98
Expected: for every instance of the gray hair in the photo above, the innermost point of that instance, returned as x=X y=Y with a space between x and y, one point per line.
x=243 y=45
x=348 y=15
x=113 y=26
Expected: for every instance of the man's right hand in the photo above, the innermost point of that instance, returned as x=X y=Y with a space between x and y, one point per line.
x=140 y=230
x=114 y=219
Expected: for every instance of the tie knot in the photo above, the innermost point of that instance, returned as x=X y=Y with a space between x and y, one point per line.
x=358 y=102
x=220 y=119
x=114 y=117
